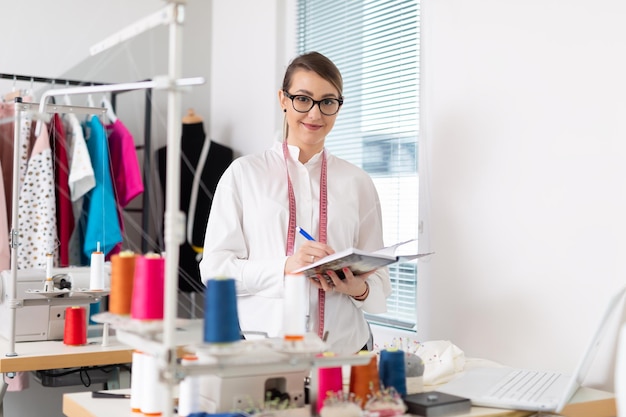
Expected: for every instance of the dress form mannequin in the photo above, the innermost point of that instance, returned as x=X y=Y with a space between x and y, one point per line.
x=202 y=164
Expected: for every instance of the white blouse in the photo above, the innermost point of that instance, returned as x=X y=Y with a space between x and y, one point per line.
x=246 y=239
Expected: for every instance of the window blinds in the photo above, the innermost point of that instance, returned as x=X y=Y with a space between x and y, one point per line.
x=375 y=44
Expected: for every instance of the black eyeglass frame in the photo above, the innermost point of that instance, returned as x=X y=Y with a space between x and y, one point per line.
x=313 y=103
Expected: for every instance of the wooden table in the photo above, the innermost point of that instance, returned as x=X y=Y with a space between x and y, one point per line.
x=34 y=356
x=587 y=402
x=47 y=355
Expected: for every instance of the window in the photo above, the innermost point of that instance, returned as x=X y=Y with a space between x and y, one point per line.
x=375 y=44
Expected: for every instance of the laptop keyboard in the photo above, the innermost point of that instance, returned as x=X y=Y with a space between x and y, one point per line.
x=523 y=385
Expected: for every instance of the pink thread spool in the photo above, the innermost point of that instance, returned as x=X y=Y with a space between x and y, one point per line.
x=148 y=288
x=329 y=380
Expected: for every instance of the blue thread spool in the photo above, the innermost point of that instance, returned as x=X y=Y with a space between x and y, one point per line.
x=221 y=322
x=392 y=370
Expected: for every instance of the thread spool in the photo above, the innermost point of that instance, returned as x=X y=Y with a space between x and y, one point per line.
x=189 y=391
x=48 y=285
x=153 y=393
x=75 y=330
x=221 y=322
x=329 y=380
x=122 y=277
x=96 y=270
x=148 y=287
x=294 y=307
x=392 y=370
x=136 y=379
x=364 y=379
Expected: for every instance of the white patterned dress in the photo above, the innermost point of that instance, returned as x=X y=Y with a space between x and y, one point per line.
x=36 y=206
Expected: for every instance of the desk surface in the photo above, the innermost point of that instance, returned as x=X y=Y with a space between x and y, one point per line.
x=33 y=356
x=587 y=402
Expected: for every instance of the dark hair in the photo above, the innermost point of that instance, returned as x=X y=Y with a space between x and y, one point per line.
x=318 y=63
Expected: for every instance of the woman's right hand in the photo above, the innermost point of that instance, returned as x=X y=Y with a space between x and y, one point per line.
x=308 y=253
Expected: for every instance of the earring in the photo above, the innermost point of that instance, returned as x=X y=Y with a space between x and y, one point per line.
x=284 y=110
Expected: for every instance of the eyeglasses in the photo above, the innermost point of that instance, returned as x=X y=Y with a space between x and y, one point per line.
x=303 y=104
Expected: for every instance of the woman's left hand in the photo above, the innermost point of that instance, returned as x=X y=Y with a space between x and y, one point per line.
x=351 y=285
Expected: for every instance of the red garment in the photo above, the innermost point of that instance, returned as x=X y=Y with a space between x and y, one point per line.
x=65 y=214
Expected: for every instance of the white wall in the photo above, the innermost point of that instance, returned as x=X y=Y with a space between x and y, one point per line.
x=523 y=132
x=522 y=152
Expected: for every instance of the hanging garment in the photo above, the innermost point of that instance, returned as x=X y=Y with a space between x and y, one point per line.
x=126 y=172
x=5 y=248
x=26 y=140
x=208 y=170
x=6 y=157
x=99 y=220
x=65 y=214
x=37 y=207
x=81 y=177
x=81 y=180
x=127 y=182
x=6 y=150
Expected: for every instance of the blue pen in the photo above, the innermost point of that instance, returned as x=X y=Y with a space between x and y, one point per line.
x=304 y=233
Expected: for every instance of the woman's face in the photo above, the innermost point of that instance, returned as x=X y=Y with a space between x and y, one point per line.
x=308 y=130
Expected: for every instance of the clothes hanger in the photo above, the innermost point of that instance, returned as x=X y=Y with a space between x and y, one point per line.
x=15 y=92
x=191 y=117
x=66 y=97
x=107 y=105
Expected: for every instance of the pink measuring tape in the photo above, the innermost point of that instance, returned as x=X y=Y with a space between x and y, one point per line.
x=291 y=233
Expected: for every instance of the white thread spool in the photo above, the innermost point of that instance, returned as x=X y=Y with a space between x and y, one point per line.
x=294 y=307
x=153 y=393
x=48 y=285
x=96 y=270
x=136 y=382
x=189 y=391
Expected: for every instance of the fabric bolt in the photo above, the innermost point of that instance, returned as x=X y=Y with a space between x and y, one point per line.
x=37 y=206
x=65 y=214
x=99 y=219
x=218 y=159
x=251 y=248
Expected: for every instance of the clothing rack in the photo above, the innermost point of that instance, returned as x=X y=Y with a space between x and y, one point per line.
x=13 y=242
x=46 y=80
x=147 y=148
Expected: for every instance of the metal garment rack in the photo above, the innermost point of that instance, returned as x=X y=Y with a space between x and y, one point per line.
x=147 y=146
x=38 y=110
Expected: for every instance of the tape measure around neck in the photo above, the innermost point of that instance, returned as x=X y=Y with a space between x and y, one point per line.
x=323 y=222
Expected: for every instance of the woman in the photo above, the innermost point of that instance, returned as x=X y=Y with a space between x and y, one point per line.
x=251 y=232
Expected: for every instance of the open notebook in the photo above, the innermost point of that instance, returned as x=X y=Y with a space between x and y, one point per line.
x=523 y=389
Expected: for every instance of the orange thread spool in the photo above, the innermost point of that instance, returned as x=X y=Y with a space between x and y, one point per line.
x=75 y=330
x=122 y=277
x=364 y=379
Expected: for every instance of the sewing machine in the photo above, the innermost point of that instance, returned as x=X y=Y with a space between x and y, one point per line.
x=223 y=394
x=42 y=316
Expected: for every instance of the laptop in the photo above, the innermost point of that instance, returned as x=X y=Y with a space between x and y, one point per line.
x=524 y=389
